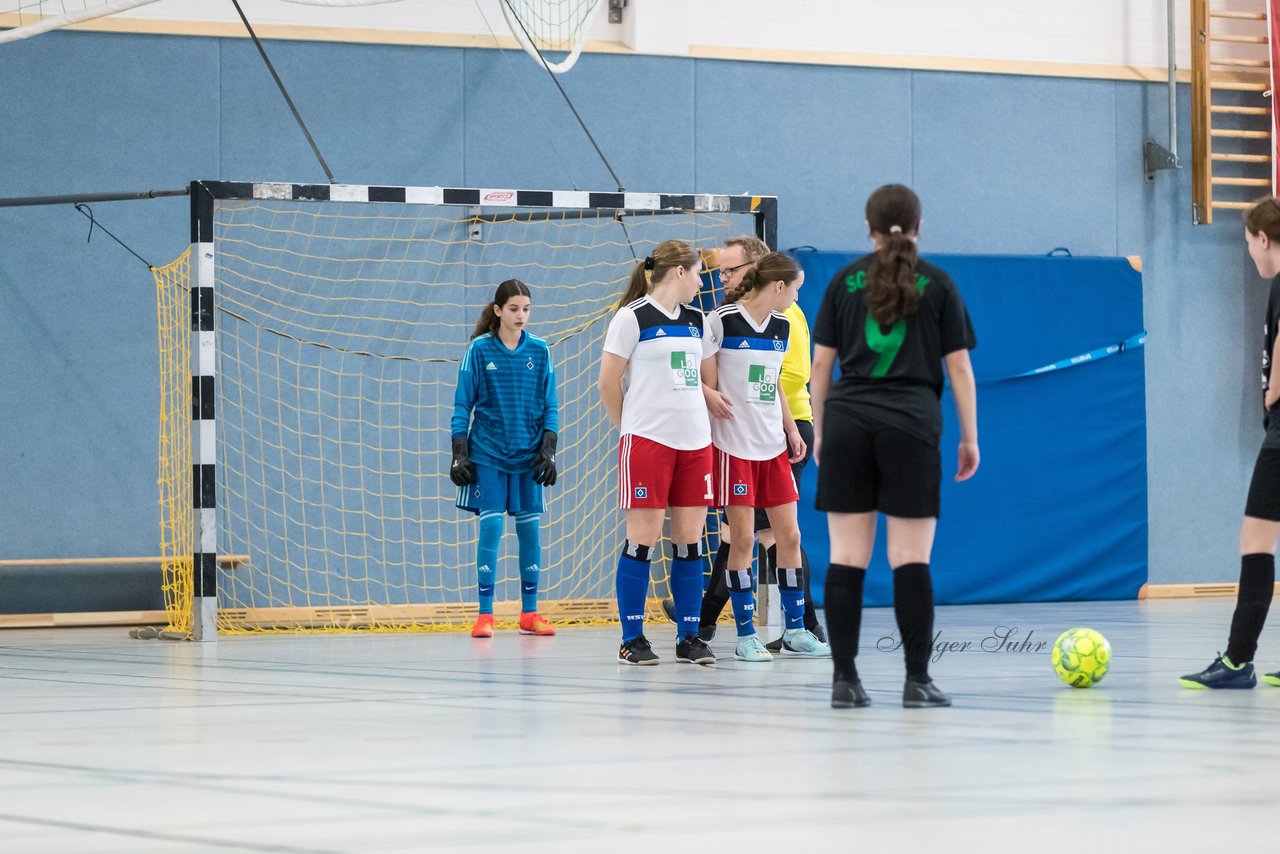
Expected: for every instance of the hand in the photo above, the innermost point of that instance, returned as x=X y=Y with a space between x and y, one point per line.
x=462 y=471
x=544 y=466
x=718 y=403
x=1271 y=398
x=968 y=459
x=796 y=444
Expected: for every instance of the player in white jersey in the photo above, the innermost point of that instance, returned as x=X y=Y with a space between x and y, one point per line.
x=756 y=441
x=651 y=386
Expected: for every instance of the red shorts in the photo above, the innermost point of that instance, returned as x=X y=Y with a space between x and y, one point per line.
x=652 y=475
x=754 y=483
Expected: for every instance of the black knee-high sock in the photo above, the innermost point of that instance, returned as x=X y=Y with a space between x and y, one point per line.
x=1257 y=583
x=717 y=595
x=913 y=607
x=843 y=604
x=810 y=615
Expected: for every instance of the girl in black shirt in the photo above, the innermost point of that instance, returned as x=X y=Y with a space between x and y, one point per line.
x=1261 y=526
x=893 y=321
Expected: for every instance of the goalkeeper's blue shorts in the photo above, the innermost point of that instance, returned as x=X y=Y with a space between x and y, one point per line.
x=502 y=492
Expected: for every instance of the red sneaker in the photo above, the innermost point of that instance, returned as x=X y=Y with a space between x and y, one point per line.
x=532 y=624
x=483 y=627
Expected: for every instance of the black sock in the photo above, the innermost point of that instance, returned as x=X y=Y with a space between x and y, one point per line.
x=1257 y=584
x=717 y=595
x=810 y=615
x=913 y=607
x=843 y=604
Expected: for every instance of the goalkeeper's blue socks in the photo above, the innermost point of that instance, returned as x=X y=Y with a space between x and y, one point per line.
x=529 y=533
x=791 y=593
x=686 y=586
x=487 y=558
x=633 y=588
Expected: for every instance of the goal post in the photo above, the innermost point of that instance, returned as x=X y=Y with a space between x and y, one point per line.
x=309 y=344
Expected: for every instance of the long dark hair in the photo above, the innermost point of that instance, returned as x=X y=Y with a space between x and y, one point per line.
x=489 y=320
x=665 y=257
x=774 y=267
x=893 y=213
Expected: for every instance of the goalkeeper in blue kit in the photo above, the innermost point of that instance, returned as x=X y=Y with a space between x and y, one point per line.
x=504 y=433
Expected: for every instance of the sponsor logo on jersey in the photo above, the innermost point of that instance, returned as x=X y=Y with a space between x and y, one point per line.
x=762 y=384
x=660 y=333
x=739 y=489
x=684 y=370
x=744 y=345
x=491 y=367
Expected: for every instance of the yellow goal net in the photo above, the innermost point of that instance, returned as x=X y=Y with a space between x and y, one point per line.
x=309 y=451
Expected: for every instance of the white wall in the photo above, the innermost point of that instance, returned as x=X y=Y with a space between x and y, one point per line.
x=1117 y=38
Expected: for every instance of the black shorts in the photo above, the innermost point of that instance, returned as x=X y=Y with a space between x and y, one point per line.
x=1264 y=489
x=806 y=433
x=869 y=467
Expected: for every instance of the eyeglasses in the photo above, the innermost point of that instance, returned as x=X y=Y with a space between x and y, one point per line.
x=729 y=271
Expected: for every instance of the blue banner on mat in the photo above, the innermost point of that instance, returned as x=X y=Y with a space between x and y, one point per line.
x=1058 y=509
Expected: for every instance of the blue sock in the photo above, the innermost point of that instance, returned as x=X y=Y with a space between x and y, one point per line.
x=633 y=588
x=686 y=587
x=529 y=532
x=487 y=558
x=791 y=592
x=743 y=599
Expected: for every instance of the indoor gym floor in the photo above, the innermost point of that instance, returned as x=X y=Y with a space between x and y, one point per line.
x=427 y=742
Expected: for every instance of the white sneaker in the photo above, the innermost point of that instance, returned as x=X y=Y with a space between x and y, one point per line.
x=750 y=649
x=805 y=643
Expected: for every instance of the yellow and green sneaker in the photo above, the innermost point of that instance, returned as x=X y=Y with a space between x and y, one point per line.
x=1221 y=674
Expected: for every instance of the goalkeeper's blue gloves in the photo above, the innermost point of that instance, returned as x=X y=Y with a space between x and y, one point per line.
x=544 y=466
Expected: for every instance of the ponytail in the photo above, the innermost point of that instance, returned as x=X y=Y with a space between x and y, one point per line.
x=893 y=214
x=774 y=267
x=489 y=321
x=666 y=256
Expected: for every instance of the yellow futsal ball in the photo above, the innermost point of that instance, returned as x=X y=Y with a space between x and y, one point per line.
x=1081 y=657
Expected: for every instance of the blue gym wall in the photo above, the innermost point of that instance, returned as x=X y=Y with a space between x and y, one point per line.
x=1004 y=164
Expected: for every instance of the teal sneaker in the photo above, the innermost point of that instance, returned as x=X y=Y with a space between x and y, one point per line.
x=804 y=643
x=1221 y=674
x=750 y=649
x=1272 y=678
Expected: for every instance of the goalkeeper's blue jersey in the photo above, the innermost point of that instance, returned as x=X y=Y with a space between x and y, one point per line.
x=504 y=401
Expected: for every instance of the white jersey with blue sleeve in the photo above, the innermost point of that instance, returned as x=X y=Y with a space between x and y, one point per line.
x=662 y=398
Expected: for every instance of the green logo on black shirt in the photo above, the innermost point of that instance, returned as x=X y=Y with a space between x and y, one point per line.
x=886 y=344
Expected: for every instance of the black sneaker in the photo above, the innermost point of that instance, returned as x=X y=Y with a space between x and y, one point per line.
x=1222 y=674
x=922 y=695
x=637 y=651
x=669 y=608
x=694 y=650
x=774 y=646
x=706 y=633
x=818 y=632
x=848 y=694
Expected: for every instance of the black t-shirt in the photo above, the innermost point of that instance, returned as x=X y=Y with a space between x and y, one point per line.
x=892 y=375
x=1271 y=419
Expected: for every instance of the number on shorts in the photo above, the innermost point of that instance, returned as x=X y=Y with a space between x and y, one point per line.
x=708 y=496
